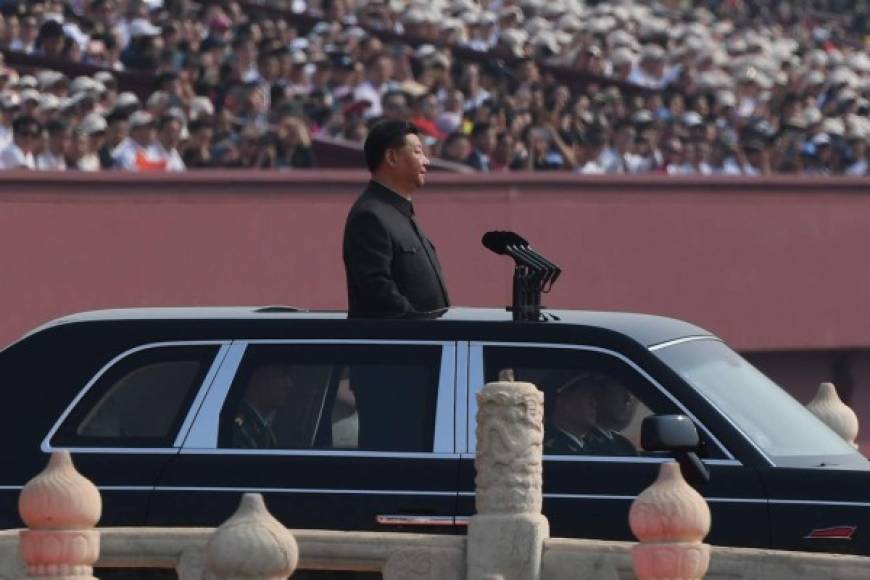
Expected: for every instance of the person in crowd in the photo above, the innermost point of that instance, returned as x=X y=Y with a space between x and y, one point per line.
x=166 y=144
x=91 y=136
x=136 y=152
x=483 y=141
x=19 y=154
x=54 y=156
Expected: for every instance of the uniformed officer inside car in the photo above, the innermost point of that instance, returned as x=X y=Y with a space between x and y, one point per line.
x=268 y=391
x=392 y=268
x=585 y=408
x=571 y=417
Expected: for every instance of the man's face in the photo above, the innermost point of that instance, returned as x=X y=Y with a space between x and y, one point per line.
x=409 y=163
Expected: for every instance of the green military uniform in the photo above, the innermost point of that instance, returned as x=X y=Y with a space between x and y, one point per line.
x=605 y=442
x=559 y=442
x=251 y=430
x=596 y=442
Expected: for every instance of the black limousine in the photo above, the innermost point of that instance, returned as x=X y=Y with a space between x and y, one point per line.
x=357 y=424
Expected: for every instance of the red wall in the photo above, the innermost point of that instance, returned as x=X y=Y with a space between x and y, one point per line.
x=767 y=264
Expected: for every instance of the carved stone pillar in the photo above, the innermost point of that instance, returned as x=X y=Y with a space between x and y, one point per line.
x=252 y=545
x=60 y=509
x=670 y=519
x=506 y=536
x=834 y=413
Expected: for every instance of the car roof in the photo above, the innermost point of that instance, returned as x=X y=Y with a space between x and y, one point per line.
x=646 y=329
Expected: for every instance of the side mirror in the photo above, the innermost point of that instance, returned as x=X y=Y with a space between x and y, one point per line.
x=676 y=434
x=668 y=433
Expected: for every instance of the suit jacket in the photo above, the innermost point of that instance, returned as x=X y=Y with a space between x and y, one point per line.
x=392 y=268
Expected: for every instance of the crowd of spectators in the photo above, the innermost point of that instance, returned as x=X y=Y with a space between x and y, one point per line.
x=683 y=87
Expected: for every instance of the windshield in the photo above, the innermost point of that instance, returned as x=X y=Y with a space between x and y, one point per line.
x=777 y=423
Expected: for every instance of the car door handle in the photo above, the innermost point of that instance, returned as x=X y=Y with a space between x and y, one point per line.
x=413 y=520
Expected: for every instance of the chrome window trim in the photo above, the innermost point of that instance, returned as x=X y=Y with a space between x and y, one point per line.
x=120 y=450
x=596 y=496
x=204 y=433
x=629 y=459
x=693 y=338
x=460 y=417
x=309 y=491
x=716 y=407
x=820 y=502
x=476 y=375
x=46 y=442
x=200 y=395
x=322 y=453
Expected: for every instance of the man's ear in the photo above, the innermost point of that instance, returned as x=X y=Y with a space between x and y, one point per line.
x=390 y=156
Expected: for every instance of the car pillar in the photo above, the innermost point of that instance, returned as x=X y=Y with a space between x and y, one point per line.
x=670 y=519
x=506 y=535
x=60 y=508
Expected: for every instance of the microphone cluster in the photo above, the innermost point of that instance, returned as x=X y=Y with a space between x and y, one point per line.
x=533 y=273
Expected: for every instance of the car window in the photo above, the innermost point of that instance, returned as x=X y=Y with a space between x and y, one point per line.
x=594 y=403
x=378 y=397
x=779 y=425
x=141 y=400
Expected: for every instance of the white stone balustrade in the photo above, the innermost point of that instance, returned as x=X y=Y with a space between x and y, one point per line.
x=60 y=508
x=252 y=545
x=506 y=536
x=828 y=407
x=670 y=519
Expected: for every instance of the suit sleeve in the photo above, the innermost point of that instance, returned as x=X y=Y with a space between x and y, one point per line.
x=369 y=253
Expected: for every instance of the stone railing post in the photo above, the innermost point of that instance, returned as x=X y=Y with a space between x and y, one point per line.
x=670 y=519
x=834 y=413
x=60 y=508
x=251 y=545
x=506 y=536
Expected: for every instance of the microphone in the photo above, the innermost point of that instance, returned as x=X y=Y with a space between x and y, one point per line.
x=499 y=241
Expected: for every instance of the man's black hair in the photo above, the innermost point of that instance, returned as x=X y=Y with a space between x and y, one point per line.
x=165 y=120
x=386 y=135
x=25 y=123
x=55 y=126
x=480 y=129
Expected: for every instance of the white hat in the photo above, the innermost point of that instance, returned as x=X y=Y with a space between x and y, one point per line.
x=30 y=95
x=93 y=123
x=141 y=119
x=126 y=99
x=141 y=27
x=48 y=102
x=201 y=107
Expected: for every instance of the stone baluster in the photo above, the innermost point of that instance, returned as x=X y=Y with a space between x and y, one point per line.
x=506 y=536
x=670 y=519
x=834 y=413
x=251 y=545
x=60 y=508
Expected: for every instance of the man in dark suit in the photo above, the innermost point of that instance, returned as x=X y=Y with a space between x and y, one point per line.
x=392 y=268
x=392 y=272
x=483 y=141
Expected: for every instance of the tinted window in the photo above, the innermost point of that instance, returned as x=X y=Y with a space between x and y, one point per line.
x=140 y=401
x=769 y=416
x=593 y=403
x=333 y=396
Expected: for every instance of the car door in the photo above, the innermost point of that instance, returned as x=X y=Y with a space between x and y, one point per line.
x=336 y=434
x=591 y=477
x=130 y=419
